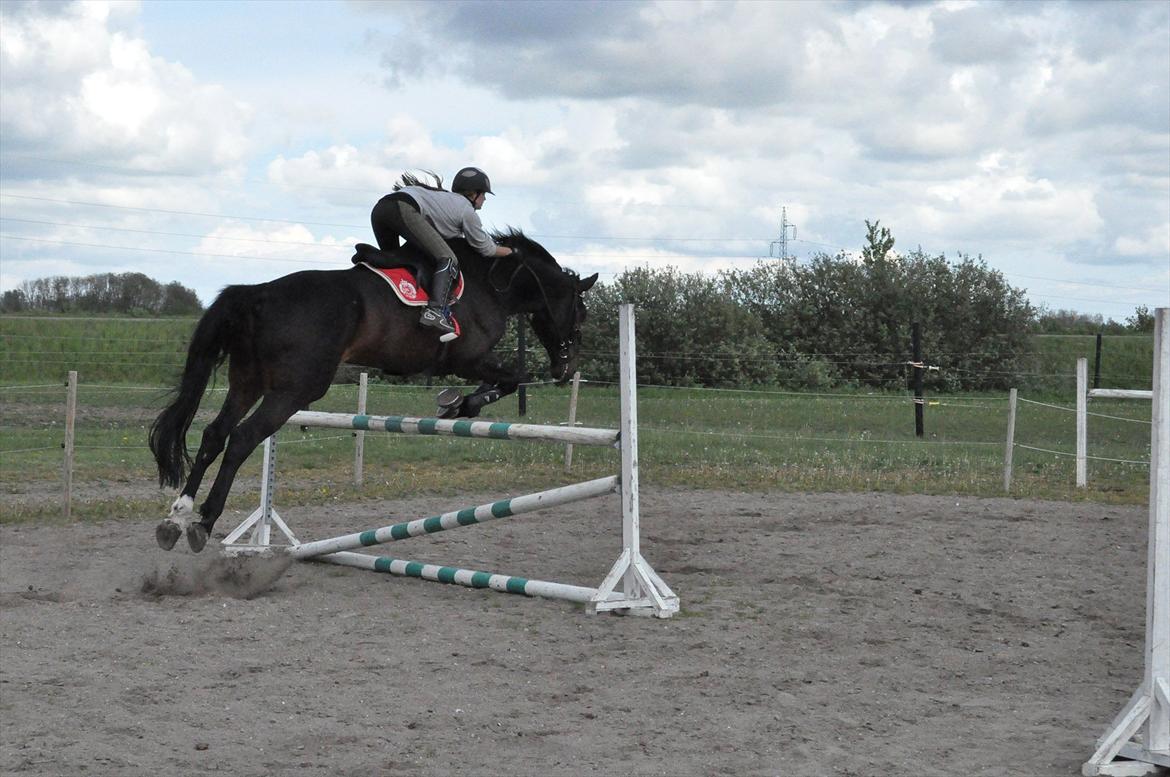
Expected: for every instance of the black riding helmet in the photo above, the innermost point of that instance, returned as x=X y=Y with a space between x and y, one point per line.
x=471 y=179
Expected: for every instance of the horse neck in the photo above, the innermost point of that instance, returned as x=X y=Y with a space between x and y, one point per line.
x=522 y=295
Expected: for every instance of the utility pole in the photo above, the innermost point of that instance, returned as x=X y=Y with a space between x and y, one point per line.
x=783 y=241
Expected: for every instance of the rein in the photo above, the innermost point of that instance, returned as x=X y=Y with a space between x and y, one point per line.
x=564 y=346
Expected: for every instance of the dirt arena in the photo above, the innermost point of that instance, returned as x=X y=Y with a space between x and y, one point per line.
x=820 y=634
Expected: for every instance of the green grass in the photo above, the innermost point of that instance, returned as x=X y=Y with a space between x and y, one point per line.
x=759 y=440
x=43 y=349
x=1050 y=367
x=762 y=441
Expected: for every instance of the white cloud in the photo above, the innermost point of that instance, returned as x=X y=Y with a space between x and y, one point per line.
x=76 y=86
x=259 y=252
x=1033 y=134
x=1004 y=196
x=1155 y=240
x=357 y=176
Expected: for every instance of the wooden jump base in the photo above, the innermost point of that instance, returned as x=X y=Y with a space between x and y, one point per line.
x=632 y=585
x=1141 y=731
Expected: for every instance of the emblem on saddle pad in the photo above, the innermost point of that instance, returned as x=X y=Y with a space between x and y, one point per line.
x=407 y=288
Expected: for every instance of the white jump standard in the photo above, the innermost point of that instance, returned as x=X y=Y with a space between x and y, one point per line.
x=1141 y=731
x=632 y=585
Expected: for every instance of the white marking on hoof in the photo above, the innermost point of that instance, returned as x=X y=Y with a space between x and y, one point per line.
x=181 y=511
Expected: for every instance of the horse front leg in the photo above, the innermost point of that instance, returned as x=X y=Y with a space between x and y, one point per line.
x=498 y=382
x=484 y=395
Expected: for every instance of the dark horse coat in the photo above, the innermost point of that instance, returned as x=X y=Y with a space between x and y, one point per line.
x=283 y=341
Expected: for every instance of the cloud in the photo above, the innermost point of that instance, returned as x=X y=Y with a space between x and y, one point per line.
x=891 y=108
x=355 y=176
x=260 y=252
x=76 y=85
x=673 y=52
x=979 y=34
x=618 y=131
x=1005 y=197
x=1155 y=240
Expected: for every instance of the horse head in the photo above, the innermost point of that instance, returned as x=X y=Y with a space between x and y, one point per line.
x=555 y=298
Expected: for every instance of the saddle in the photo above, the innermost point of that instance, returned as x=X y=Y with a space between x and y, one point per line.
x=406 y=270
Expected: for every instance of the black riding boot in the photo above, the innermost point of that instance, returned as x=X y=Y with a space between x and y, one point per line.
x=435 y=316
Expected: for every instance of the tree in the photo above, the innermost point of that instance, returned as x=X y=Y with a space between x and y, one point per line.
x=178 y=300
x=1072 y=322
x=690 y=333
x=854 y=317
x=13 y=301
x=1142 y=320
x=126 y=293
x=879 y=243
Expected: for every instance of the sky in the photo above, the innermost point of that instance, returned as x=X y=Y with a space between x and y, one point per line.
x=213 y=143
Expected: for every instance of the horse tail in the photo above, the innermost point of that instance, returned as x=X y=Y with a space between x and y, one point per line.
x=210 y=344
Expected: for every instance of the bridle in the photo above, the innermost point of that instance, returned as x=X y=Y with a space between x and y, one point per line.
x=565 y=345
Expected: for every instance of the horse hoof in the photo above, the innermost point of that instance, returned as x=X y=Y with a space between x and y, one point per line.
x=449 y=401
x=196 y=537
x=167 y=533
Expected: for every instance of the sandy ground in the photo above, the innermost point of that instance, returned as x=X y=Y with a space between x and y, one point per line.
x=826 y=634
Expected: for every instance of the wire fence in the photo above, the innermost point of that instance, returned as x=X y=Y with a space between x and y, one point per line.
x=757 y=437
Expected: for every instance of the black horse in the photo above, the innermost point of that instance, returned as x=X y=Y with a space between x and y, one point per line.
x=284 y=340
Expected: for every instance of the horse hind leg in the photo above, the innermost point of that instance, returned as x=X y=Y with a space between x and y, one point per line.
x=273 y=411
x=240 y=397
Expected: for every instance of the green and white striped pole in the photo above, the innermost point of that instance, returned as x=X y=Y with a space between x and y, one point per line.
x=456 y=518
x=466 y=577
x=493 y=430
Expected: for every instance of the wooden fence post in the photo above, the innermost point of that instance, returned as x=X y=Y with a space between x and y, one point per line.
x=359 y=452
x=70 y=421
x=1097 y=364
x=1011 y=442
x=1082 y=421
x=522 y=361
x=919 y=401
x=572 y=418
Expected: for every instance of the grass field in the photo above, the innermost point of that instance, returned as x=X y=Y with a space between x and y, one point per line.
x=737 y=439
x=1125 y=362
x=42 y=349
x=141 y=351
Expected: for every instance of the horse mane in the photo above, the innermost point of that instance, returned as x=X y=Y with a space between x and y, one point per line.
x=410 y=179
x=515 y=238
x=535 y=256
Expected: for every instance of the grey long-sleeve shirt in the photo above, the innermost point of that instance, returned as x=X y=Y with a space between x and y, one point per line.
x=453 y=216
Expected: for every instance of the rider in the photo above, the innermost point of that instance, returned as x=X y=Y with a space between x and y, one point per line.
x=428 y=216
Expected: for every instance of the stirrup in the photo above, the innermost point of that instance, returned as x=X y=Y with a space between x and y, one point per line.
x=434 y=319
